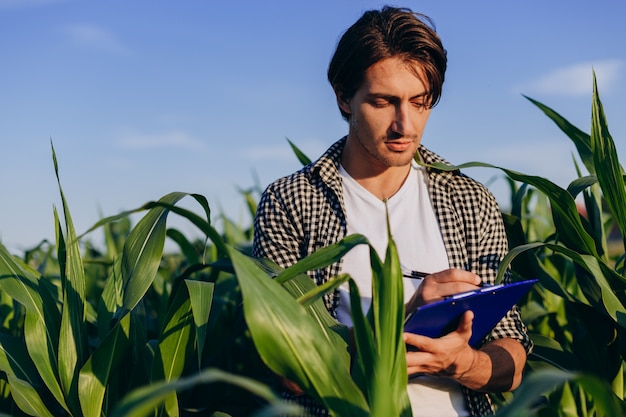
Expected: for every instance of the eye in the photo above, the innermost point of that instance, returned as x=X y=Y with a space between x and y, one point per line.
x=420 y=104
x=379 y=102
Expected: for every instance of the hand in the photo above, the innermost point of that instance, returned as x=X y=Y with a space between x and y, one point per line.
x=449 y=355
x=436 y=286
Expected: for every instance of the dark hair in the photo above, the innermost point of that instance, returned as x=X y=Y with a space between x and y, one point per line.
x=390 y=32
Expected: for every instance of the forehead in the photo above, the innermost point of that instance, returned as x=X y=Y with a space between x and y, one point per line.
x=395 y=76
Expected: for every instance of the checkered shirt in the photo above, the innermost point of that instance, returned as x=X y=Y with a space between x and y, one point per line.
x=303 y=212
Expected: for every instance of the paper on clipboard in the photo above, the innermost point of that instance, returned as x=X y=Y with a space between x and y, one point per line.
x=489 y=305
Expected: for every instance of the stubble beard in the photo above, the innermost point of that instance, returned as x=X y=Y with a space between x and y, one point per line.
x=388 y=158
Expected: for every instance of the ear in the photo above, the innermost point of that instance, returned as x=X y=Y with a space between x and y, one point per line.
x=342 y=101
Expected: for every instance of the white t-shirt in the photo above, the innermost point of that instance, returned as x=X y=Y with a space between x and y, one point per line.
x=415 y=230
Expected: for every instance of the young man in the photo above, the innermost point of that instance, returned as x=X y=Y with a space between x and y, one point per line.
x=387 y=73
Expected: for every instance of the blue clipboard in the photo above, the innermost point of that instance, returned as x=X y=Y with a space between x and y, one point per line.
x=489 y=305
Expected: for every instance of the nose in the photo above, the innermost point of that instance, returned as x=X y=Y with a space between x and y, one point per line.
x=402 y=123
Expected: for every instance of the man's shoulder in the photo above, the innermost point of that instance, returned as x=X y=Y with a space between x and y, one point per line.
x=291 y=183
x=324 y=169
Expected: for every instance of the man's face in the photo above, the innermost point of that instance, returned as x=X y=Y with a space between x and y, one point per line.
x=388 y=114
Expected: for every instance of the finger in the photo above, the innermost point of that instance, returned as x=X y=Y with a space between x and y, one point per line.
x=455 y=275
x=465 y=324
x=417 y=341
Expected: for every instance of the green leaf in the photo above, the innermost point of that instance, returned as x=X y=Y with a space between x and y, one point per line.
x=581 y=140
x=317 y=293
x=365 y=347
x=27 y=398
x=94 y=375
x=41 y=326
x=186 y=247
x=72 y=340
x=144 y=400
x=201 y=297
x=322 y=257
x=549 y=351
x=543 y=381
x=176 y=344
x=604 y=278
x=14 y=359
x=304 y=160
x=564 y=210
x=291 y=342
x=111 y=298
x=307 y=294
x=608 y=169
x=579 y=185
x=175 y=338
x=143 y=251
x=388 y=393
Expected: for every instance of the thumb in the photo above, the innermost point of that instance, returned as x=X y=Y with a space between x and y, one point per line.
x=465 y=324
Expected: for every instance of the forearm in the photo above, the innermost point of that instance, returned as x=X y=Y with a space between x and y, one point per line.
x=496 y=367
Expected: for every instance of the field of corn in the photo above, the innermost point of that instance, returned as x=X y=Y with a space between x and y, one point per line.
x=124 y=328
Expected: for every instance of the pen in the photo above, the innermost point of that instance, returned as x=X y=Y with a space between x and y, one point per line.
x=415 y=274
x=420 y=275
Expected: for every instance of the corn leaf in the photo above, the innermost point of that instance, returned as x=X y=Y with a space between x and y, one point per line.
x=41 y=325
x=304 y=160
x=143 y=250
x=202 y=224
x=608 y=169
x=175 y=337
x=144 y=246
x=105 y=359
x=600 y=290
x=111 y=299
x=545 y=380
x=72 y=339
x=547 y=351
x=27 y=398
x=175 y=345
x=308 y=295
x=292 y=344
x=579 y=185
x=322 y=257
x=186 y=247
x=251 y=203
x=564 y=211
x=388 y=392
x=316 y=293
x=201 y=297
x=365 y=347
x=144 y=400
x=581 y=140
x=14 y=359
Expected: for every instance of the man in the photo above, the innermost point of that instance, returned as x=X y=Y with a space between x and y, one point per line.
x=387 y=73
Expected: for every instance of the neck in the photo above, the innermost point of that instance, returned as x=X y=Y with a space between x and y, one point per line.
x=382 y=181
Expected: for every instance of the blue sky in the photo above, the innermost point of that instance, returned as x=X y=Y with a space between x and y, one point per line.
x=141 y=98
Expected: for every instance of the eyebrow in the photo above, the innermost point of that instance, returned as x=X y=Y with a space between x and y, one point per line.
x=390 y=96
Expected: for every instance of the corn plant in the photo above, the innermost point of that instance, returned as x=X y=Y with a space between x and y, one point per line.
x=63 y=353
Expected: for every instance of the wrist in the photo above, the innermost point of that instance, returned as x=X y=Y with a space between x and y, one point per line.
x=464 y=367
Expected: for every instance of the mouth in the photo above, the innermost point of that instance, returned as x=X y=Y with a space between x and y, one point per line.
x=399 y=145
